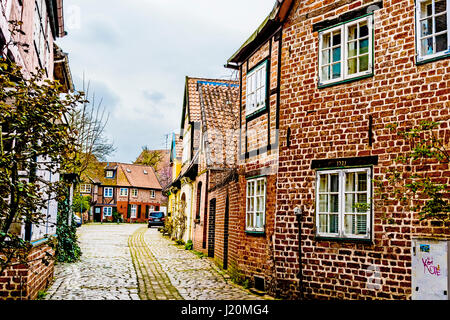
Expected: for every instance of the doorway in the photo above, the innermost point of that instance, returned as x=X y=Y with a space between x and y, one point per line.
x=212 y=227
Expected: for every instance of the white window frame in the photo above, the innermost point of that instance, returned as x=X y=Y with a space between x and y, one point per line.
x=85 y=188
x=152 y=194
x=253 y=199
x=134 y=192
x=256 y=83
x=108 y=194
x=187 y=145
x=419 y=37
x=107 y=211
x=133 y=211
x=109 y=174
x=344 y=50
x=341 y=211
x=123 y=192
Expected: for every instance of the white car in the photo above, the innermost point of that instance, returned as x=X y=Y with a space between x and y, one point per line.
x=77 y=220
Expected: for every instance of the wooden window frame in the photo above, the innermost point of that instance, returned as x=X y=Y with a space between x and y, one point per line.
x=419 y=37
x=107 y=195
x=342 y=174
x=260 y=104
x=253 y=198
x=343 y=28
x=107 y=214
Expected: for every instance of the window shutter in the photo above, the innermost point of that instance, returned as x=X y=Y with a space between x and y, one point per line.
x=146 y=212
x=129 y=211
x=139 y=211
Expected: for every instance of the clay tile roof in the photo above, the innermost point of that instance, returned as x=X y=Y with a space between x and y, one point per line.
x=219 y=101
x=96 y=173
x=138 y=178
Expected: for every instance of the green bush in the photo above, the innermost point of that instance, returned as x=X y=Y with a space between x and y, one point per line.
x=189 y=245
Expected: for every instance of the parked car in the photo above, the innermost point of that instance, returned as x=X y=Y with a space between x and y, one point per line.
x=156 y=218
x=77 y=220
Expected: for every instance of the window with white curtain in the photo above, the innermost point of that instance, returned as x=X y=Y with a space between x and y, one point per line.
x=345 y=51
x=256 y=89
x=133 y=211
x=343 y=203
x=432 y=21
x=256 y=204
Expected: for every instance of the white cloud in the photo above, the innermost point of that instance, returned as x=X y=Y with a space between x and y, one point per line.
x=129 y=48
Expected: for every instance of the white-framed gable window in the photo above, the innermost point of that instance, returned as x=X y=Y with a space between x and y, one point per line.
x=432 y=21
x=85 y=188
x=343 y=208
x=109 y=173
x=345 y=51
x=124 y=192
x=256 y=92
x=108 y=192
x=256 y=205
x=187 y=145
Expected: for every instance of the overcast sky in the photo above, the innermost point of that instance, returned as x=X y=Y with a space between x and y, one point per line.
x=137 y=53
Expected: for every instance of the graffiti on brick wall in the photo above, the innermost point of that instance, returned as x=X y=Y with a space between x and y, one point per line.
x=430 y=267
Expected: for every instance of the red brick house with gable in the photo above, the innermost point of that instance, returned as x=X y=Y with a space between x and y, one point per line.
x=260 y=100
x=348 y=70
x=217 y=161
x=130 y=190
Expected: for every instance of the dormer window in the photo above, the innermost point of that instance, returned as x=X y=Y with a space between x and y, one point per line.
x=145 y=172
x=109 y=173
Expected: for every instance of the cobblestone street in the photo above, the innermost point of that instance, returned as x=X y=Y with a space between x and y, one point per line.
x=131 y=262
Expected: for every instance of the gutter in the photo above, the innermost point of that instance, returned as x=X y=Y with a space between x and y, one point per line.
x=274 y=20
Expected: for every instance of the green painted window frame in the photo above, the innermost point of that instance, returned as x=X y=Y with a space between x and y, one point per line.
x=358 y=76
x=252 y=71
x=340 y=235
x=254 y=230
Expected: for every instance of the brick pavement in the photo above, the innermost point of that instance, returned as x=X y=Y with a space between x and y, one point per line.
x=132 y=262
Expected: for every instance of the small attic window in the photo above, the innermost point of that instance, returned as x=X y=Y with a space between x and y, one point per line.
x=128 y=170
x=145 y=172
x=109 y=173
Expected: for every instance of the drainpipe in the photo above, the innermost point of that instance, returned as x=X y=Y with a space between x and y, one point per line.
x=298 y=213
x=205 y=213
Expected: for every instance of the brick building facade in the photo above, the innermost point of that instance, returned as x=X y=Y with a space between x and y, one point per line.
x=348 y=70
x=259 y=76
x=345 y=122
x=131 y=191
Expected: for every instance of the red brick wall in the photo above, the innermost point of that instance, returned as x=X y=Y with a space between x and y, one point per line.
x=21 y=282
x=333 y=123
x=250 y=254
